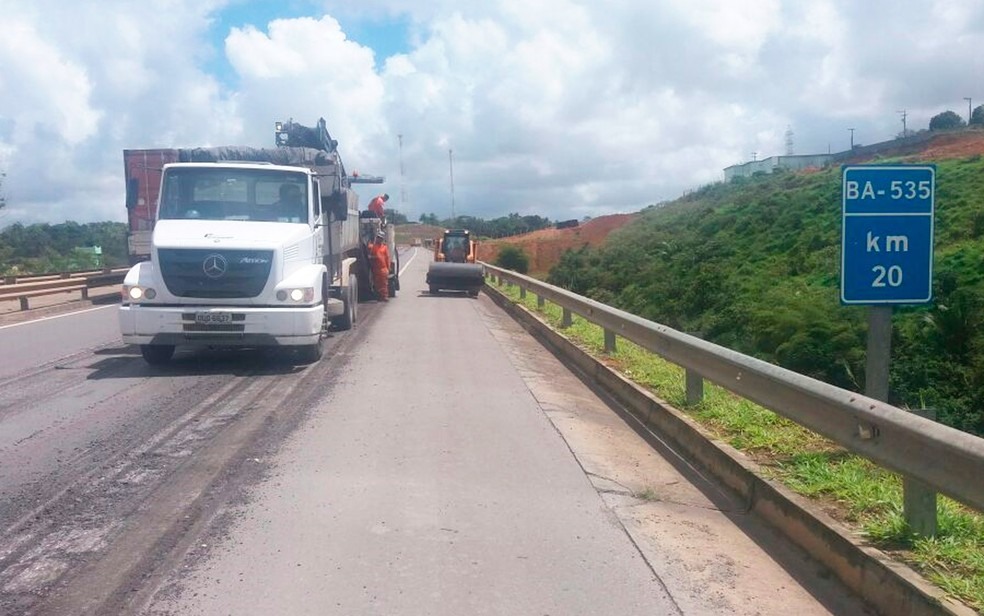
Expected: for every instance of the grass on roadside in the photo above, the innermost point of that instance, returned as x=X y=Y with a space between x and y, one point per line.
x=862 y=495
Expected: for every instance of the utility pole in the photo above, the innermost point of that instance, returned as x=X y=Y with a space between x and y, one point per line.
x=451 y=167
x=852 y=138
x=754 y=156
x=905 y=132
x=403 y=190
x=967 y=98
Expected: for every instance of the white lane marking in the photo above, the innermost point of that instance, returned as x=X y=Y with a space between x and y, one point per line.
x=58 y=316
x=409 y=262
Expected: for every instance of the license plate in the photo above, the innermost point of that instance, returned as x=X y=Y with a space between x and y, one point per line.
x=213 y=317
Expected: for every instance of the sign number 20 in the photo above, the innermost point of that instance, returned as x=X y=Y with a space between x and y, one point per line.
x=891 y=275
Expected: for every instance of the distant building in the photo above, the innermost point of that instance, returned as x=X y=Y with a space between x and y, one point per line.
x=768 y=165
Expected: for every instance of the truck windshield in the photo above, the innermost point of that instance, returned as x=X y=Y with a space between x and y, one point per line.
x=224 y=193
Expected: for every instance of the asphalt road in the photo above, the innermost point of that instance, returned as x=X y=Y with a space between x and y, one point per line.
x=436 y=461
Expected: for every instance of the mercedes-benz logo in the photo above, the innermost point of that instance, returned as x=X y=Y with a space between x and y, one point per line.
x=215 y=266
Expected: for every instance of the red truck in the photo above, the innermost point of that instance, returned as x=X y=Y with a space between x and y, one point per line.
x=142 y=170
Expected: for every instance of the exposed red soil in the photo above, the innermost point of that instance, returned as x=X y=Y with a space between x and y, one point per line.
x=954 y=145
x=545 y=247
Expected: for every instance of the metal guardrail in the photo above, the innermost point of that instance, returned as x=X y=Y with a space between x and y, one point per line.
x=50 y=284
x=15 y=279
x=946 y=459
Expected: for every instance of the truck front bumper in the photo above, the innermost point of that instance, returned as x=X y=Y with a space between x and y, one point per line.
x=225 y=325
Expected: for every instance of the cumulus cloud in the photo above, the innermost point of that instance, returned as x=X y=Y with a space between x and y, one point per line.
x=560 y=107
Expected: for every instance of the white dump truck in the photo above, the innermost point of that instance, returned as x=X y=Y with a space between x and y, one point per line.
x=251 y=247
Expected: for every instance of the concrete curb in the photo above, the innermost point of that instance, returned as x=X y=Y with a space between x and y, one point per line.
x=889 y=586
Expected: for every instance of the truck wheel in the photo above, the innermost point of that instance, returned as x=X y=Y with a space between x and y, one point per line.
x=433 y=290
x=393 y=284
x=157 y=354
x=396 y=278
x=350 y=301
x=311 y=353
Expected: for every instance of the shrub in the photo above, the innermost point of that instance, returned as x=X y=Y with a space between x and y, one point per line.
x=513 y=258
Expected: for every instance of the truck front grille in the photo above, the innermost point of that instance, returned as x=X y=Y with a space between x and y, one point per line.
x=215 y=273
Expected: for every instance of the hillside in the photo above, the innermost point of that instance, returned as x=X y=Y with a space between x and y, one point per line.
x=545 y=247
x=754 y=265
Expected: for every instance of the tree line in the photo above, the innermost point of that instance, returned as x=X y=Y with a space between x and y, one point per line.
x=44 y=248
x=504 y=226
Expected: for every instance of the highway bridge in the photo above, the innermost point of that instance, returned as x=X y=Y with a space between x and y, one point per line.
x=438 y=460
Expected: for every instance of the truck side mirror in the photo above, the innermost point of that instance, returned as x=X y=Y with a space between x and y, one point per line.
x=337 y=204
x=132 y=193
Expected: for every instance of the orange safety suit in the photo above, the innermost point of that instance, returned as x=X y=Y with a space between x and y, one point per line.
x=379 y=261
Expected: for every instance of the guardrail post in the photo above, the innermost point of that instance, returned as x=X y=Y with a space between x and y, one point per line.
x=609 y=341
x=567 y=319
x=540 y=302
x=85 y=293
x=918 y=499
x=23 y=303
x=498 y=280
x=695 y=388
x=522 y=292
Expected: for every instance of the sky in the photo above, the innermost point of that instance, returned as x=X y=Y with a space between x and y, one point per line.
x=558 y=108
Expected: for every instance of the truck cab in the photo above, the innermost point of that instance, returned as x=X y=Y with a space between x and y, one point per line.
x=244 y=254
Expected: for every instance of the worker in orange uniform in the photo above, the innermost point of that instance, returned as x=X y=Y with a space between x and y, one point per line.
x=379 y=259
x=378 y=206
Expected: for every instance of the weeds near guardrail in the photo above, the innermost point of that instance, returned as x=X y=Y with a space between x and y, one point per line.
x=855 y=491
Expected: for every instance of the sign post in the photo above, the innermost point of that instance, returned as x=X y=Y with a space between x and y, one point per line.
x=887 y=259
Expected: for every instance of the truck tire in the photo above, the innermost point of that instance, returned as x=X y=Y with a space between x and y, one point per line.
x=396 y=269
x=310 y=353
x=433 y=289
x=350 y=300
x=157 y=354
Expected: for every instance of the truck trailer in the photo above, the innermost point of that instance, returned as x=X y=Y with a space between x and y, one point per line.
x=249 y=247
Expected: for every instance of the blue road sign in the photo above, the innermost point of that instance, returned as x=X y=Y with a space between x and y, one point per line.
x=887 y=241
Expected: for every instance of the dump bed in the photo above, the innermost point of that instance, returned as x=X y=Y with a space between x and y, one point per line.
x=142 y=171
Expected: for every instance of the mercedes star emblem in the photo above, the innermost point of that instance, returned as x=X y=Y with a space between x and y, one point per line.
x=214 y=266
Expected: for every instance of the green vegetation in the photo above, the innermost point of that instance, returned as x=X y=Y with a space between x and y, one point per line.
x=861 y=495
x=977 y=117
x=946 y=120
x=504 y=226
x=753 y=265
x=513 y=258
x=43 y=248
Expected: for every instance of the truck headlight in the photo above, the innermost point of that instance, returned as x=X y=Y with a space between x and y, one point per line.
x=137 y=293
x=302 y=295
